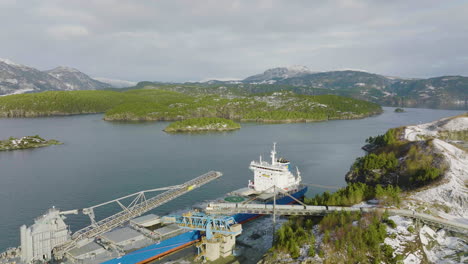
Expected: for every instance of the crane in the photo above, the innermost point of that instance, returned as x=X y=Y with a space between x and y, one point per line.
x=209 y=224
x=220 y=233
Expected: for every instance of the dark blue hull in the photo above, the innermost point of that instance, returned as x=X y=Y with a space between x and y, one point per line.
x=159 y=250
x=242 y=218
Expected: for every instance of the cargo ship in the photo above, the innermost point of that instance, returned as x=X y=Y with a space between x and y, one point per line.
x=273 y=182
x=269 y=179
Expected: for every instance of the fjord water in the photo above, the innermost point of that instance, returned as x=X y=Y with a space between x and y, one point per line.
x=100 y=160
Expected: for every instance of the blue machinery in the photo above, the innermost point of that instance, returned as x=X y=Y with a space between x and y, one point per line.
x=221 y=232
x=208 y=223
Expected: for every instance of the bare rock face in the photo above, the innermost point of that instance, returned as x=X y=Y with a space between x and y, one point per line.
x=279 y=73
x=16 y=79
x=76 y=80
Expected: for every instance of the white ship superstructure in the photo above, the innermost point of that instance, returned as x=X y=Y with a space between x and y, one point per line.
x=277 y=173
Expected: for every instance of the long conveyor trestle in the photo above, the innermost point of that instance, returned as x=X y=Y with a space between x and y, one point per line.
x=137 y=207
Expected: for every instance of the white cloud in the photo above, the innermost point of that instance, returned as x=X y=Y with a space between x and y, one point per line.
x=63 y=32
x=179 y=40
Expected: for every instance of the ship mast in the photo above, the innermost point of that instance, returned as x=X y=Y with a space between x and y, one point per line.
x=273 y=154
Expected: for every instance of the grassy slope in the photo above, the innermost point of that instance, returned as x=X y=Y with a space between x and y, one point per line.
x=59 y=103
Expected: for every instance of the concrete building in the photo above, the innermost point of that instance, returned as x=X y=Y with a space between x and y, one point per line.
x=47 y=232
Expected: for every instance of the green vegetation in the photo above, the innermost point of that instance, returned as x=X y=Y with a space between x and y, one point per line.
x=154 y=105
x=59 y=103
x=373 y=166
x=291 y=236
x=399 y=110
x=355 y=193
x=347 y=237
x=360 y=236
x=456 y=138
x=202 y=124
x=391 y=137
x=268 y=108
x=392 y=160
x=289 y=107
x=461 y=135
x=26 y=142
x=419 y=166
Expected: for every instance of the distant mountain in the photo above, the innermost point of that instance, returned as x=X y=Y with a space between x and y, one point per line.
x=272 y=75
x=438 y=92
x=339 y=80
x=17 y=78
x=76 y=80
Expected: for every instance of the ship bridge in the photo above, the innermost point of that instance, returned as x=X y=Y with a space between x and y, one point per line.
x=277 y=173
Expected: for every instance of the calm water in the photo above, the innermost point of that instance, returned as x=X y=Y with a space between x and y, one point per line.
x=101 y=160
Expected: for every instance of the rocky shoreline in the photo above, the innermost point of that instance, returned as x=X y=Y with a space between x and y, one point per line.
x=202 y=125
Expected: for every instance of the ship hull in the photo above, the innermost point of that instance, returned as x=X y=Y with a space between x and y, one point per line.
x=156 y=251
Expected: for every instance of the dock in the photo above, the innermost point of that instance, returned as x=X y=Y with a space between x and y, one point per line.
x=267 y=209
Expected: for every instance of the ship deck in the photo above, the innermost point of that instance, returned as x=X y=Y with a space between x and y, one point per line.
x=123 y=240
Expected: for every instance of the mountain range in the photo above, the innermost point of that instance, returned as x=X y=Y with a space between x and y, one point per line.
x=438 y=92
x=17 y=78
x=449 y=92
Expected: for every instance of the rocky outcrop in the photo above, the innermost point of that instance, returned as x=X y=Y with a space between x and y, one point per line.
x=76 y=80
x=17 y=78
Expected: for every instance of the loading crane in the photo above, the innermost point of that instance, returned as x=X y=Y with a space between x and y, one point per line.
x=220 y=233
x=209 y=224
x=139 y=205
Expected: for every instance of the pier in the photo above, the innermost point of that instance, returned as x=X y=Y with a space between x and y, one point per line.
x=266 y=209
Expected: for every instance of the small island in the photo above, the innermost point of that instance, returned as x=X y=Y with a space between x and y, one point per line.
x=202 y=124
x=399 y=110
x=26 y=142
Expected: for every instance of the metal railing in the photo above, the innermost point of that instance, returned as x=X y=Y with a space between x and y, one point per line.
x=263 y=209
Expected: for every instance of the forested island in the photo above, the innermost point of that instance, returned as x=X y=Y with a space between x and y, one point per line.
x=26 y=142
x=203 y=124
x=399 y=110
x=163 y=105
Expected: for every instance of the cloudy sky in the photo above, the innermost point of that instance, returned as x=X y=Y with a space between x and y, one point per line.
x=177 y=40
